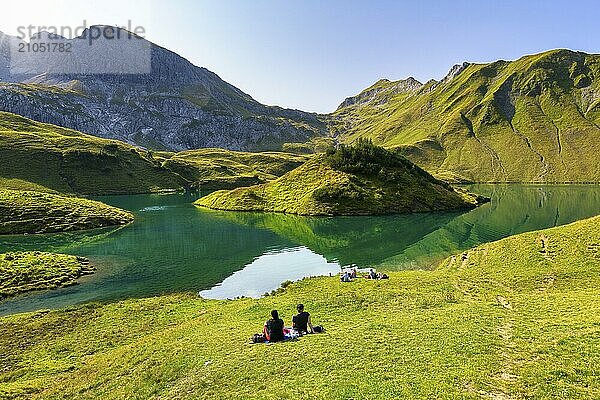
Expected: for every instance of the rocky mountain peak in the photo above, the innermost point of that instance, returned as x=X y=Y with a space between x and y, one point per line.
x=381 y=90
x=455 y=71
x=45 y=35
x=142 y=93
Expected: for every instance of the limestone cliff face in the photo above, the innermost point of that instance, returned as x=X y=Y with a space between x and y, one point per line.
x=381 y=91
x=174 y=105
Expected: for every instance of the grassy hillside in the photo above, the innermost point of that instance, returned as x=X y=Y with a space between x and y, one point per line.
x=355 y=180
x=35 y=212
x=48 y=158
x=226 y=169
x=20 y=184
x=71 y=162
x=511 y=319
x=26 y=271
x=317 y=144
x=535 y=119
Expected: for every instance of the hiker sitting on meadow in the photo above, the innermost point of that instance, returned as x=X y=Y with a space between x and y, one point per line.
x=353 y=273
x=273 y=329
x=301 y=321
x=345 y=277
x=372 y=274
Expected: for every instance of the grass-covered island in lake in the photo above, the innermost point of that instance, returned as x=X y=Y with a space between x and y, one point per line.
x=25 y=271
x=515 y=318
x=36 y=212
x=361 y=179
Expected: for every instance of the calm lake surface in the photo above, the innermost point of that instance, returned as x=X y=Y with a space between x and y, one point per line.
x=174 y=247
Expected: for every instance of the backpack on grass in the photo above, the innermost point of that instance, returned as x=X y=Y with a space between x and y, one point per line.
x=258 y=338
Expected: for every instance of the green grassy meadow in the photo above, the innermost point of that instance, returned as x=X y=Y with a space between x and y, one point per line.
x=36 y=212
x=68 y=161
x=225 y=169
x=511 y=319
x=26 y=271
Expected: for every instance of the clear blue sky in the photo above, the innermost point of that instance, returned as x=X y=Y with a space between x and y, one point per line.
x=311 y=54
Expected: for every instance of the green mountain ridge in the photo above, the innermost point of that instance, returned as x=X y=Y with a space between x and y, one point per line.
x=352 y=180
x=48 y=158
x=536 y=119
x=68 y=161
x=227 y=169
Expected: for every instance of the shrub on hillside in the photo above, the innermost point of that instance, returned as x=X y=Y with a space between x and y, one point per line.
x=365 y=158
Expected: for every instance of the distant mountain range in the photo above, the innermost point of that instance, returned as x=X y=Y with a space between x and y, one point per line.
x=175 y=106
x=536 y=119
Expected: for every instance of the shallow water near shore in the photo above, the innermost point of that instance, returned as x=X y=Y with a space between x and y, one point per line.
x=175 y=247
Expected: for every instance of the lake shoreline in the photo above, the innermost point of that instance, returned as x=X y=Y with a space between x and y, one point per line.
x=174 y=247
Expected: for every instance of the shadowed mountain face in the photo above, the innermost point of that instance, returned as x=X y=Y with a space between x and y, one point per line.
x=161 y=101
x=535 y=119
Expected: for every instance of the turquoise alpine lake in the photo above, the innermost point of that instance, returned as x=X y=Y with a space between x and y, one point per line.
x=174 y=246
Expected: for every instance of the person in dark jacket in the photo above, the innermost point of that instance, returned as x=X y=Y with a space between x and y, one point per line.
x=372 y=274
x=301 y=321
x=274 y=328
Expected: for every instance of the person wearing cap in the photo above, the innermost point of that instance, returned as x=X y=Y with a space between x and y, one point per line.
x=301 y=321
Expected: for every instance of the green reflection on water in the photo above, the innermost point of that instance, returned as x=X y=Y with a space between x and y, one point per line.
x=173 y=246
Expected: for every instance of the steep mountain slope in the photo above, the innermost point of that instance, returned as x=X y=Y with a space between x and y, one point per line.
x=68 y=161
x=47 y=158
x=356 y=180
x=535 y=119
x=176 y=105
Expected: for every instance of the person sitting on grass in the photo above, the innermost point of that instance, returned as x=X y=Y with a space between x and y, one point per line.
x=273 y=329
x=345 y=277
x=372 y=274
x=381 y=275
x=301 y=321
